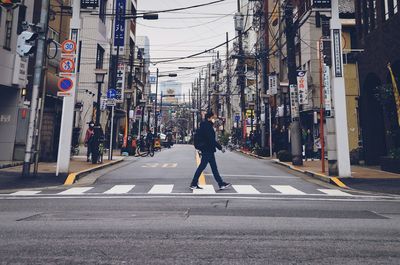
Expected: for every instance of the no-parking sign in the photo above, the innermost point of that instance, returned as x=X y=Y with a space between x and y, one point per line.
x=65 y=85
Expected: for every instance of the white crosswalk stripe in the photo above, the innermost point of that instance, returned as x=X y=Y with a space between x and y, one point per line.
x=26 y=192
x=287 y=190
x=75 y=191
x=245 y=189
x=120 y=189
x=161 y=189
x=168 y=189
x=334 y=192
x=207 y=189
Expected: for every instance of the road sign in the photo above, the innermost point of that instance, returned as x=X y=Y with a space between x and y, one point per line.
x=237 y=118
x=153 y=79
x=65 y=84
x=68 y=46
x=111 y=103
x=67 y=65
x=111 y=93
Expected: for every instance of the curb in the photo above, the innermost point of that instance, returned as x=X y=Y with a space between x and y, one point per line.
x=332 y=180
x=253 y=155
x=12 y=164
x=73 y=177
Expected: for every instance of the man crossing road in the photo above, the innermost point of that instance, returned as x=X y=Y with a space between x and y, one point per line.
x=208 y=149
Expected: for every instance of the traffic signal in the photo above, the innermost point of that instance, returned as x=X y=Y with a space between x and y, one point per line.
x=25 y=43
x=9 y=3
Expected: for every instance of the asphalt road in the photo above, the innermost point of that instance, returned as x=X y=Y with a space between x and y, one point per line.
x=142 y=212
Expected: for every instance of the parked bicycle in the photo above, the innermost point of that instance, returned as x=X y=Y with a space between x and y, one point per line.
x=143 y=149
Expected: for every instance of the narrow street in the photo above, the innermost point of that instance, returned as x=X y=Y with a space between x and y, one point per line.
x=142 y=212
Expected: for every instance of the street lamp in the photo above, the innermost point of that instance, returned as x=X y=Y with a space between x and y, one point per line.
x=100 y=74
x=155 y=102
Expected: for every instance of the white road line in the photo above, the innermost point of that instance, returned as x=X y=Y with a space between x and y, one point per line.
x=245 y=189
x=161 y=189
x=334 y=192
x=287 y=189
x=75 y=191
x=255 y=176
x=207 y=189
x=26 y=192
x=169 y=165
x=119 y=189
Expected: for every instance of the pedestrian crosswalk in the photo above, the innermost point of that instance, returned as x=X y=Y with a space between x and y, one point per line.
x=179 y=189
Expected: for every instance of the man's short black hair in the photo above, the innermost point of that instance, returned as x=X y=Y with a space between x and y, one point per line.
x=209 y=115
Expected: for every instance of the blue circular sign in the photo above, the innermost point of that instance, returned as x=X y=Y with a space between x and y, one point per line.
x=111 y=93
x=65 y=84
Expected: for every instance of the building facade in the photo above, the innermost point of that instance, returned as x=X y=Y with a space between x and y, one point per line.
x=14 y=111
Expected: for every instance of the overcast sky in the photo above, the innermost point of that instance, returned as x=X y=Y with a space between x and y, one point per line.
x=183 y=33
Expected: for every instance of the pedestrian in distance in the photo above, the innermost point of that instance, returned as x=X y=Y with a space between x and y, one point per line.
x=205 y=142
x=89 y=140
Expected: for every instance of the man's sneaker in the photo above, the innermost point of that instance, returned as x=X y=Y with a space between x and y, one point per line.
x=195 y=187
x=225 y=186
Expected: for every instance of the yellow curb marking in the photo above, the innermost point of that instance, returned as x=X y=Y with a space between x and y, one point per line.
x=202 y=179
x=338 y=182
x=72 y=176
x=70 y=179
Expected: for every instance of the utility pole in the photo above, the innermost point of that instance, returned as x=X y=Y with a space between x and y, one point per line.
x=155 y=107
x=339 y=95
x=64 y=147
x=228 y=85
x=38 y=74
x=199 y=86
x=265 y=70
x=239 y=28
x=209 y=87
x=295 y=135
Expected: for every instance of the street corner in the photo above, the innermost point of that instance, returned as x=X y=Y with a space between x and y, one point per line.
x=80 y=168
x=375 y=186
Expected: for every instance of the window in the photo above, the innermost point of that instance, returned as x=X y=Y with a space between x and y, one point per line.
x=8 y=29
x=99 y=57
x=102 y=11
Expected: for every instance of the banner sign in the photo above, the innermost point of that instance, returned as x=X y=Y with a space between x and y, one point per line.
x=119 y=27
x=322 y=3
x=120 y=83
x=327 y=91
x=337 y=53
x=89 y=3
x=294 y=105
x=302 y=87
x=272 y=85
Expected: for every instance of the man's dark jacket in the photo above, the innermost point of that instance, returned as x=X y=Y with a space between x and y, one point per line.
x=208 y=134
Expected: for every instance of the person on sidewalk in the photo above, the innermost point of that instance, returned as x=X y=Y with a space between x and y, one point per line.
x=89 y=140
x=309 y=145
x=208 y=149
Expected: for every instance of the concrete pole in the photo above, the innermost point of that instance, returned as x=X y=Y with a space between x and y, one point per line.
x=40 y=52
x=110 y=152
x=295 y=135
x=339 y=95
x=64 y=147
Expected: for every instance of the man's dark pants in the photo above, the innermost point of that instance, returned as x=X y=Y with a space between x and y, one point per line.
x=205 y=159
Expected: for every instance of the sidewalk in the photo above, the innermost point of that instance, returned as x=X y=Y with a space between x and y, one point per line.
x=10 y=178
x=363 y=178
